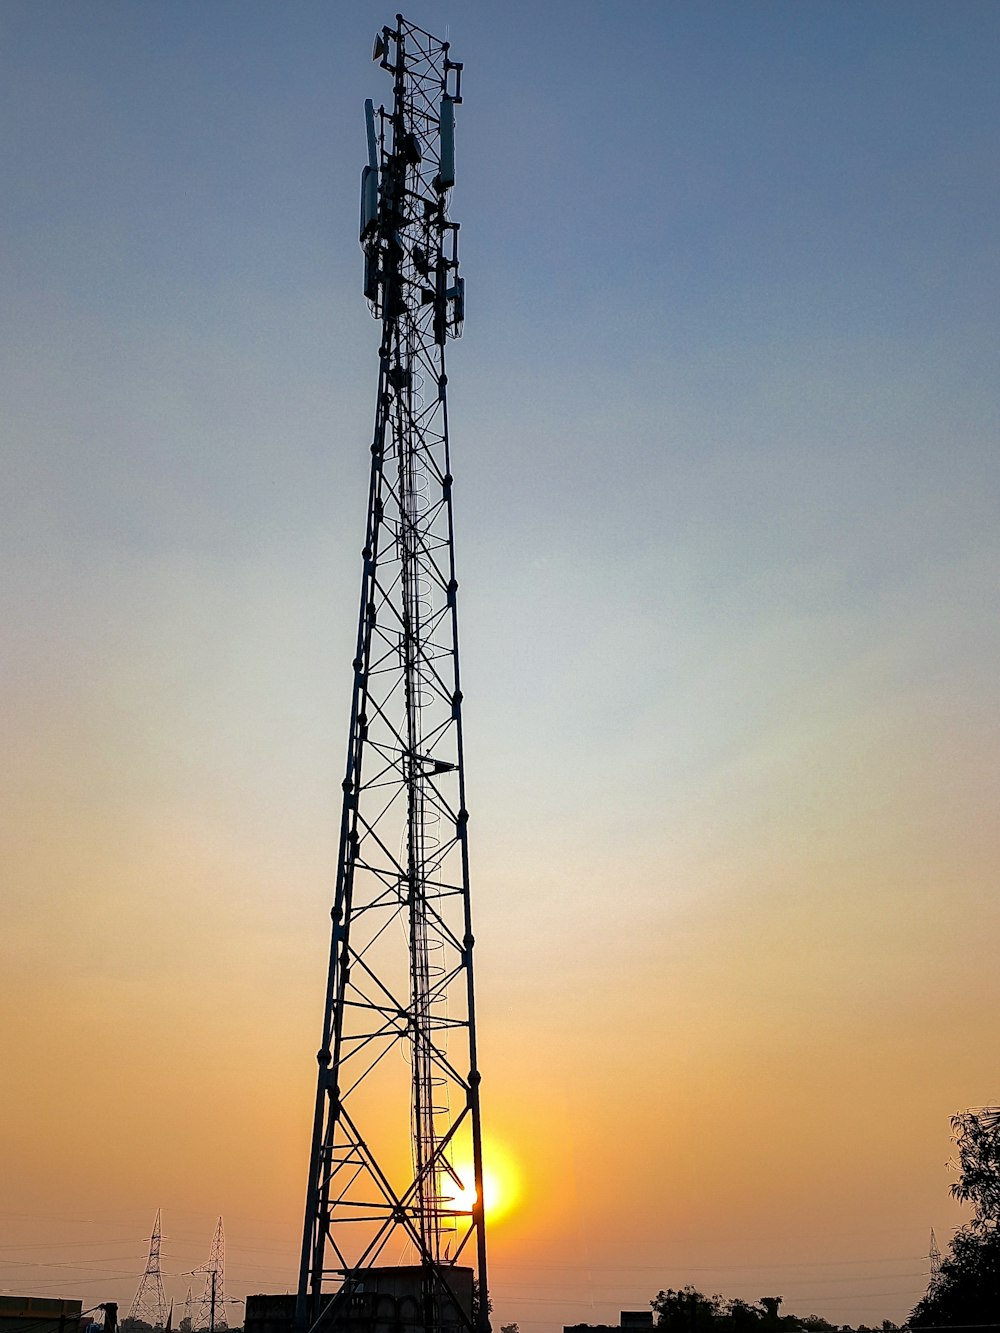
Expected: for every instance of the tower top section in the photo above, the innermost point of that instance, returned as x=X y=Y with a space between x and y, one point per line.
x=400 y=48
x=410 y=244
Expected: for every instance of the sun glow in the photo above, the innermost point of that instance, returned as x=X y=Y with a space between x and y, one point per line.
x=501 y=1186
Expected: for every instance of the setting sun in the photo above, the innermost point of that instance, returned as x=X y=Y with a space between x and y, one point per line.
x=501 y=1185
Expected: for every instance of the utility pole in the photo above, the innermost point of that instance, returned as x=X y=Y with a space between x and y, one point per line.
x=212 y=1314
x=396 y=1134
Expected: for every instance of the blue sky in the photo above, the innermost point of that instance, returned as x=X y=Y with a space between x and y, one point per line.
x=725 y=420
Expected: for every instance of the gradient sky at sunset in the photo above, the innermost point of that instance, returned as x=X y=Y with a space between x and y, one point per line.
x=725 y=443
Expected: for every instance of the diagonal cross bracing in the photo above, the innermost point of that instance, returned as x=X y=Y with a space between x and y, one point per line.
x=397 y=1114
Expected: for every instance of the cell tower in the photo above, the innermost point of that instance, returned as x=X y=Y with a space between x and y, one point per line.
x=150 y=1304
x=395 y=1172
x=212 y=1304
x=934 y=1258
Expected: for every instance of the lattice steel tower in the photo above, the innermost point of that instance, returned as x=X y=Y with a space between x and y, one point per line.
x=934 y=1258
x=397 y=1146
x=212 y=1305
x=149 y=1303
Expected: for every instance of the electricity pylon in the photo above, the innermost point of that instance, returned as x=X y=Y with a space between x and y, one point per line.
x=934 y=1258
x=211 y=1305
x=397 y=1146
x=150 y=1304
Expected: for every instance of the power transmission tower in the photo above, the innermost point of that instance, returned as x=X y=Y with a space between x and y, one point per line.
x=150 y=1304
x=934 y=1258
x=212 y=1303
x=397 y=1148
x=187 y=1322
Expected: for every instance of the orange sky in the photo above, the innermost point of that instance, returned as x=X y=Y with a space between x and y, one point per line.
x=724 y=432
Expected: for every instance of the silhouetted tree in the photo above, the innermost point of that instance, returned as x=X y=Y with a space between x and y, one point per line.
x=690 y=1311
x=476 y=1299
x=967 y=1289
x=977 y=1137
x=771 y=1305
x=740 y=1316
x=687 y=1310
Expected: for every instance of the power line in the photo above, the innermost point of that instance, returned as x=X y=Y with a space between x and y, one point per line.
x=67 y=1244
x=707 y=1268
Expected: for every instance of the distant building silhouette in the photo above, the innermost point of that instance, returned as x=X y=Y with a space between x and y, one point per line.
x=628 y=1319
x=39 y=1314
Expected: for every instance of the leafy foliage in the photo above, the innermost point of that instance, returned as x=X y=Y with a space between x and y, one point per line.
x=967 y=1289
x=977 y=1137
x=691 y=1311
x=476 y=1301
x=687 y=1311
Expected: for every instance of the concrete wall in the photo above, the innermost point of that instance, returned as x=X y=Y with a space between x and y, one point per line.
x=39 y=1314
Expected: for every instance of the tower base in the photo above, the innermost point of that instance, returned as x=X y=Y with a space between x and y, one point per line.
x=379 y=1300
